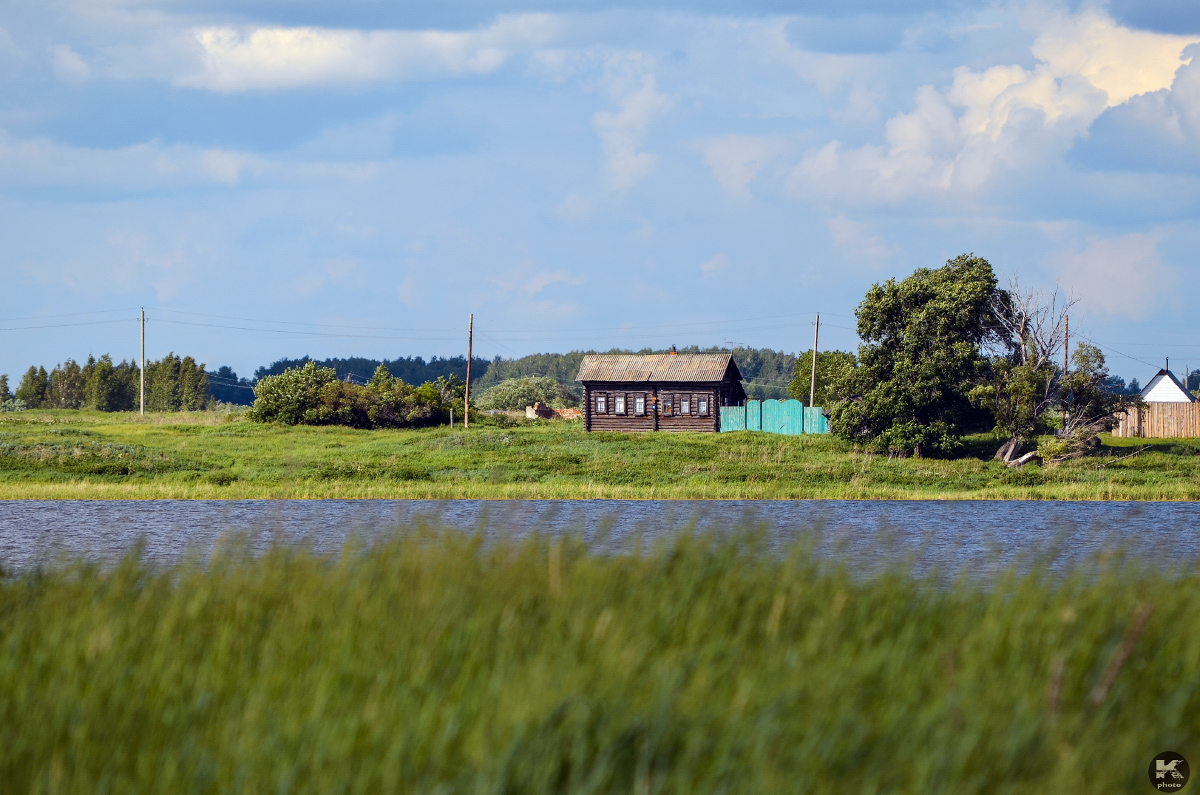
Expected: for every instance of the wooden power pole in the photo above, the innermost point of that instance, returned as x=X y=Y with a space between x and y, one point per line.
x=467 y=392
x=1066 y=341
x=812 y=387
x=142 y=385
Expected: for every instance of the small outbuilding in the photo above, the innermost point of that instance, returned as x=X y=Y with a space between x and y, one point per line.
x=658 y=392
x=1164 y=387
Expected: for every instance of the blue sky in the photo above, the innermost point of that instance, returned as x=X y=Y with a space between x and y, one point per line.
x=285 y=178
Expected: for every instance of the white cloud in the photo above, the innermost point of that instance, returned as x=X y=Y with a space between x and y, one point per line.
x=854 y=238
x=1121 y=276
x=230 y=59
x=1119 y=61
x=621 y=132
x=68 y=65
x=1003 y=118
x=735 y=160
x=714 y=266
x=42 y=163
x=540 y=281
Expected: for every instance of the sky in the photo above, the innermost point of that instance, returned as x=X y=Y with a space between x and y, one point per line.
x=273 y=179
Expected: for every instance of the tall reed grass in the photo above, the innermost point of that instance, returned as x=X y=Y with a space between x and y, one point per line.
x=438 y=663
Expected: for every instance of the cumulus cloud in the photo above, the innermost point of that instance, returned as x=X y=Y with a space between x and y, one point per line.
x=621 y=131
x=1006 y=117
x=68 y=65
x=232 y=59
x=1121 y=276
x=735 y=160
x=153 y=166
x=855 y=239
x=714 y=266
x=540 y=281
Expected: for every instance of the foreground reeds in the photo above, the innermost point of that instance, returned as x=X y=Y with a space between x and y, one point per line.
x=439 y=663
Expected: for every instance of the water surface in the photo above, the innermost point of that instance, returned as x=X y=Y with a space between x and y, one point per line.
x=952 y=536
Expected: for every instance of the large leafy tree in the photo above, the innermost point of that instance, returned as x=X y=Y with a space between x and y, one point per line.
x=920 y=358
x=835 y=369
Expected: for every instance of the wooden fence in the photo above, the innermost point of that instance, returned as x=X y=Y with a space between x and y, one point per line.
x=1160 y=421
x=787 y=417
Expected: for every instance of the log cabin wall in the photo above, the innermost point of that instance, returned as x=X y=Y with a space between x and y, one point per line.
x=628 y=419
x=613 y=384
x=667 y=398
x=671 y=417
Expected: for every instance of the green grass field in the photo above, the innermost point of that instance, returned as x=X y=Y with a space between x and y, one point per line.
x=76 y=455
x=436 y=664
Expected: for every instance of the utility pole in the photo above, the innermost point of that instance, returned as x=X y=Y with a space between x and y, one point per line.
x=142 y=385
x=467 y=392
x=1066 y=341
x=812 y=388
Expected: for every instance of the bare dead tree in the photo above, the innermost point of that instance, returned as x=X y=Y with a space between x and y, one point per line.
x=1028 y=336
x=1029 y=324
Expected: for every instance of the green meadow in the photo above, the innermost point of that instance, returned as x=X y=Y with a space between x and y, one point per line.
x=94 y=455
x=436 y=663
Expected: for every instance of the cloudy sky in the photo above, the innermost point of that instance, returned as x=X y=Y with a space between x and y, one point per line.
x=276 y=178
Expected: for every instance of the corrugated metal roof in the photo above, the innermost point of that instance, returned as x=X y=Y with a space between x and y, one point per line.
x=656 y=367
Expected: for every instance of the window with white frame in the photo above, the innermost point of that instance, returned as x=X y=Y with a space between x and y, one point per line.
x=685 y=405
x=602 y=404
x=702 y=405
x=639 y=404
x=618 y=404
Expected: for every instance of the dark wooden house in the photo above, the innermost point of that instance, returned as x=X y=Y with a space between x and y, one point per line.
x=659 y=392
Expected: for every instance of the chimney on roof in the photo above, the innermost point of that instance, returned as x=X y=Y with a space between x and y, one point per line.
x=673 y=351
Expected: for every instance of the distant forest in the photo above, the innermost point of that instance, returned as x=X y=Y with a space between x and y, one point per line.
x=766 y=372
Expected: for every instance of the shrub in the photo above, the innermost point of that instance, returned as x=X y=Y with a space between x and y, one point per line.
x=515 y=394
x=312 y=395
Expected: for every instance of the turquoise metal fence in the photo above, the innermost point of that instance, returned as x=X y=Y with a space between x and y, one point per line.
x=753 y=415
x=783 y=416
x=733 y=418
x=788 y=417
x=815 y=420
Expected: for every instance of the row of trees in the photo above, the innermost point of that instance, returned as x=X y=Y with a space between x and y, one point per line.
x=312 y=395
x=172 y=384
x=945 y=348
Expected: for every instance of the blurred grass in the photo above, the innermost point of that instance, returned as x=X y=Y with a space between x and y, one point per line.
x=92 y=455
x=438 y=664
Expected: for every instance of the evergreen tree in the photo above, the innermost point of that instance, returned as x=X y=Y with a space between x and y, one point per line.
x=110 y=387
x=66 y=386
x=4 y=393
x=175 y=384
x=34 y=388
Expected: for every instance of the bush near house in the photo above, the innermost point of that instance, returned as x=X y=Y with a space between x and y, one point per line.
x=514 y=394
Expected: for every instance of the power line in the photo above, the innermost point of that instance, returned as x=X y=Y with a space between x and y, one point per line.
x=304 y=333
x=1114 y=350
x=64 y=325
x=70 y=314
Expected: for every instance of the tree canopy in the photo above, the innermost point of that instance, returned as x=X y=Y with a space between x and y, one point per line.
x=919 y=359
x=517 y=393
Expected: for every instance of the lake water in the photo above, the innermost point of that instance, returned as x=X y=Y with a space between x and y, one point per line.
x=951 y=536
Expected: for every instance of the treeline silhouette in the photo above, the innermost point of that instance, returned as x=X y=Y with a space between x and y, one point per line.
x=172 y=384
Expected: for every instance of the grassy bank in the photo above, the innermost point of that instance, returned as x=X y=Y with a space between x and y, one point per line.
x=91 y=455
x=437 y=665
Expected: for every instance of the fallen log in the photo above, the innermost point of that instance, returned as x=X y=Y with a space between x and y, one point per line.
x=1028 y=458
